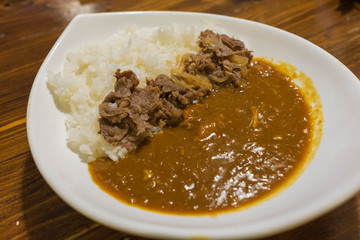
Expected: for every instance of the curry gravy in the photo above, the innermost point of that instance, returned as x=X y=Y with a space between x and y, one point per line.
x=234 y=149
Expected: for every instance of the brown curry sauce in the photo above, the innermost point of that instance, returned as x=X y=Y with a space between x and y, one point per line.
x=234 y=149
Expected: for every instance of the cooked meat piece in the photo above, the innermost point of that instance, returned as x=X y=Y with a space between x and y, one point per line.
x=112 y=113
x=113 y=133
x=212 y=42
x=142 y=102
x=232 y=43
x=165 y=84
x=190 y=96
x=199 y=62
x=129 y=115
x=129 y=143
x=222 y=59
x=124 y=113
x=177 y=94
x=120 y=93
x=126 y=79
x=172 y=113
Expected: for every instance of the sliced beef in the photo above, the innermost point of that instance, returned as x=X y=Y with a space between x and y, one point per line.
x=112 y=112
x=176 y=94
x=113 y=133
x=165 y=84
x=232 y=43
x=222 y=58
x=172 y=113
x=126 y=79
x=199 y=62
x=212 y=42
x=129 y=114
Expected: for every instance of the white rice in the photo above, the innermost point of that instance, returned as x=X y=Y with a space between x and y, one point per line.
x=87 y=77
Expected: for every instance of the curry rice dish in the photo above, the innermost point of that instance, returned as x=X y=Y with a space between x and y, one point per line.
x=233 y=132
x=220 y=132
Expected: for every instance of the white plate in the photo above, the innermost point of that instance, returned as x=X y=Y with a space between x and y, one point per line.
x=331 y=178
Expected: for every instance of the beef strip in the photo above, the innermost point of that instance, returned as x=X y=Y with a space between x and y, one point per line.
x=215 y=60
x=177 y=94
x=130 y=114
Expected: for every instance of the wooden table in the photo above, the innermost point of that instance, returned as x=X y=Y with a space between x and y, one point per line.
x=29 y=209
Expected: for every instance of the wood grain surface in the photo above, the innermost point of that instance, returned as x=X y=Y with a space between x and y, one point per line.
x=29 y=209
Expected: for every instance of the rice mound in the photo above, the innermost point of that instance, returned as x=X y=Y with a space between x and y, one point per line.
x=88 y=76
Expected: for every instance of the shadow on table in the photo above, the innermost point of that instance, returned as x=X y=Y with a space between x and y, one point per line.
x=46 y=216
x=341 y=223
x=346 y=6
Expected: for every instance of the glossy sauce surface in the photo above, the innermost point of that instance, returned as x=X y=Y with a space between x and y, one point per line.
x=233 y=149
